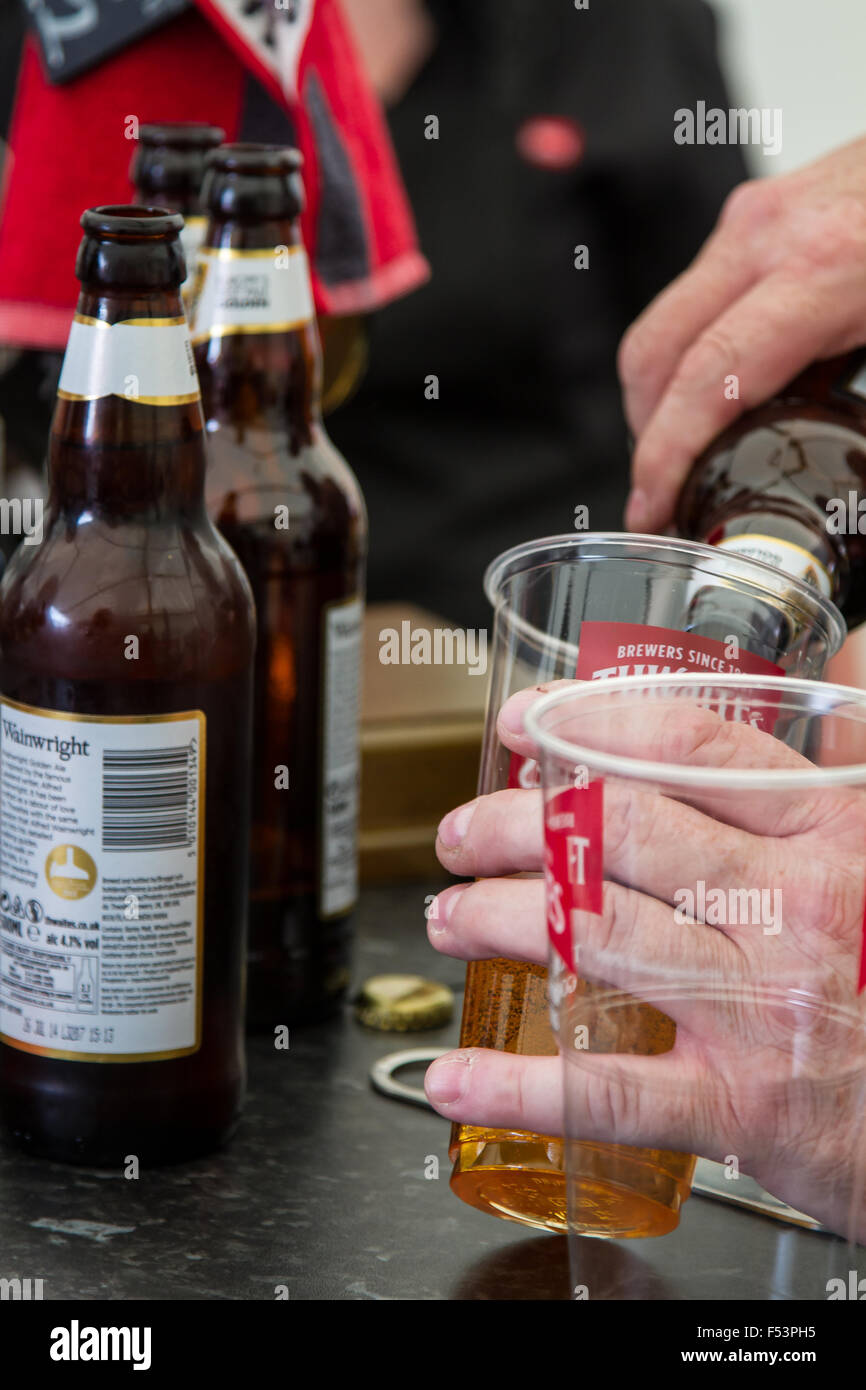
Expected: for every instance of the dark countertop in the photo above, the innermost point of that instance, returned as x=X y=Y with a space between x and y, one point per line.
x=324 y=1190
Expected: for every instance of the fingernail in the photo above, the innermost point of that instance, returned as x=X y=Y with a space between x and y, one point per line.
x=448 y=1078
x=452 y=830
x=442 y=907
x=637 y=510
x=511 y=719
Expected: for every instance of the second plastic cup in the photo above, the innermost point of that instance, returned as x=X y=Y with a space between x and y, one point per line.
x=705 y=907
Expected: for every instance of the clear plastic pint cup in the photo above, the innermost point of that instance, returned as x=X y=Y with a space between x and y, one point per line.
x=705 y=866
x=597 y=606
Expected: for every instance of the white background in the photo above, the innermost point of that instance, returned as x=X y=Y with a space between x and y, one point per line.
x=807 y=57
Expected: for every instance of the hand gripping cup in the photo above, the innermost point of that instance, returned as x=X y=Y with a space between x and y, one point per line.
x=705 y=887
x=599 y=606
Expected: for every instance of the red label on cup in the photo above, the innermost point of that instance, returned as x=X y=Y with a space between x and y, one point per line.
x=573 y=862
x=630 y=649
x=523 y=773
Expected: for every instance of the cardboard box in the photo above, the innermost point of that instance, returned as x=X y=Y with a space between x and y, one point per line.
x=421 y=731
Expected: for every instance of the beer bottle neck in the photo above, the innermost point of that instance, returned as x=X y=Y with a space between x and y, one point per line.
x=127 y=435
x=183 y=200
x=254 y=330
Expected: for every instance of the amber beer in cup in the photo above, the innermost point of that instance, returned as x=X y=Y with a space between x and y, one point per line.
x=598 y=606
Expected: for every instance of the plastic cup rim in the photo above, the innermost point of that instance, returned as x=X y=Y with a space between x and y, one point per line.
x=664 y=988
x=776 y=584
x=674 y=774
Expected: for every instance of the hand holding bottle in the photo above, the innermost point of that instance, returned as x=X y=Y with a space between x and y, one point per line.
x=779 y=284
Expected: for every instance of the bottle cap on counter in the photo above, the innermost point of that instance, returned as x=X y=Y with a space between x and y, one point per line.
x=403 y=1003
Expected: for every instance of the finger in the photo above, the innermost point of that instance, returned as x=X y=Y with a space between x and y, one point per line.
x=490 y=918
x=501 y=833
x=672 y=1101
x=655 y=851
x=758 y=344
x=498 y=1090
x=650 y=1102
x=660 y=845
x=509 y=722
x=670 y=728
x=640 y=967
x=722 y=272
x=633 y=944
x=682 y=733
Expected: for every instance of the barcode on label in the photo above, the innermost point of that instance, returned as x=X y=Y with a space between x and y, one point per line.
x=146 y=798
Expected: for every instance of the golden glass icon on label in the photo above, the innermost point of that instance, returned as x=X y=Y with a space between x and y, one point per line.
x=70 y=871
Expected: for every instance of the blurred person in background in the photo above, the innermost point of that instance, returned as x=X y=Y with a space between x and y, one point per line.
x=74 y=90
x=555 y=130
x=491 y=407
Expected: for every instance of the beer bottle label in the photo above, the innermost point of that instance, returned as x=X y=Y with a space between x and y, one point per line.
x=265 y=291
x=783 y=555
x=341 y=771
x=191 y=237
x=101 y=884
x=145 y=360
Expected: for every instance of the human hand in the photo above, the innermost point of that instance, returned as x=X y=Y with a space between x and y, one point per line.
x=736 y=1081
x=780 y=283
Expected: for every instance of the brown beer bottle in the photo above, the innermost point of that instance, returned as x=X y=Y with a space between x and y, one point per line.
x=290 y=507
x=784 y=483
x=167 y=171
x=126 y=651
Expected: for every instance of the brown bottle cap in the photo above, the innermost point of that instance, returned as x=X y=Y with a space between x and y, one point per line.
x=403 y=1003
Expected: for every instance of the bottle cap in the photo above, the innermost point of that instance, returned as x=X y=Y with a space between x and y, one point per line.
x=403 y=1003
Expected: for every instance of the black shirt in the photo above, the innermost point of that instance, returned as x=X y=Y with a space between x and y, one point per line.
x=528 y=423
